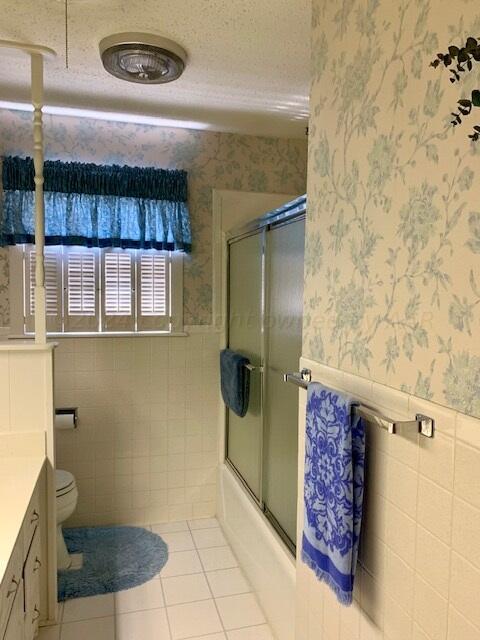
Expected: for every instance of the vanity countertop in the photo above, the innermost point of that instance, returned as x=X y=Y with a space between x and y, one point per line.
x=25 y=345
x=18 y=477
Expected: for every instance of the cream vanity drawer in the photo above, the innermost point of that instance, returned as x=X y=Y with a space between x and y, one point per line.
x=15 y=626
x=11 y=584
x=31 y=521
x=31 y=582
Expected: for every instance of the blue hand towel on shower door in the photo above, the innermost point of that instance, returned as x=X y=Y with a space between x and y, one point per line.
x=235 y=381
x=334 y=477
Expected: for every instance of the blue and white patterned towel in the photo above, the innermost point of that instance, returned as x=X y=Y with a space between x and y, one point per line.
x=334 y=476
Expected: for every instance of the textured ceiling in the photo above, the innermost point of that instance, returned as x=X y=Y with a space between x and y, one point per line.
x=248 y=60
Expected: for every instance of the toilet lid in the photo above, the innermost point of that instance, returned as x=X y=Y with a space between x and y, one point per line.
x=64 y=482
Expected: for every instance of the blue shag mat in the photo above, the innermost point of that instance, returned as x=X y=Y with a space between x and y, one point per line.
x=114 y=558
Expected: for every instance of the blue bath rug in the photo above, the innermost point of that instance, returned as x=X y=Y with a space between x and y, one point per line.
x=114 y=558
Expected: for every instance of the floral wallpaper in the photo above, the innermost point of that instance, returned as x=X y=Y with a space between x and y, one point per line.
x=393 y=233
x=213 y=160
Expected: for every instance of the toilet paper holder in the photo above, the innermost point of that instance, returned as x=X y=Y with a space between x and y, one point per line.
x=68 y=411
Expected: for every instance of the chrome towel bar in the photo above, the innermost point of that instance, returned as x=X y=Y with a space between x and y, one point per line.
x=422 y=424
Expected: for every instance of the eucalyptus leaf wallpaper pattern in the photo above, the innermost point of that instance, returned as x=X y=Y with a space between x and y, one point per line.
x=213 y=160
x=393 y=234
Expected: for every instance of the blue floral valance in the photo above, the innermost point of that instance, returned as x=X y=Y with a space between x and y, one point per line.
x=97 y=206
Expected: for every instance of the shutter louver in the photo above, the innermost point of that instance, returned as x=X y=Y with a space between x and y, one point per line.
x=153 y=275
x=118 y=299
x=81 y=275
x=51 y=282
x=81 y=284
x=118 y=284
x=154 y=295
x=52 y=268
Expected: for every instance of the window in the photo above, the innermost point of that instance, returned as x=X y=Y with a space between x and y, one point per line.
x=99 y=290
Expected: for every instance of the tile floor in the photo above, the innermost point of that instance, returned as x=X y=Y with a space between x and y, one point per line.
x=200 y=594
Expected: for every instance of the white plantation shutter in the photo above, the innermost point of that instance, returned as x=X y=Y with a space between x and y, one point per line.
x=118 y=290
x=81 y=289
x=53 y=287
x=98 y=290
x=153 y=291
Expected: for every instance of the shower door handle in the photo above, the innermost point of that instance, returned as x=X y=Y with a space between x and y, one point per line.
x=252 y=367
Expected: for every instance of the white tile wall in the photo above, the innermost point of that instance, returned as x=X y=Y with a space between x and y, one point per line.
x=419 y=572
x=25 y=391
x=146 y=445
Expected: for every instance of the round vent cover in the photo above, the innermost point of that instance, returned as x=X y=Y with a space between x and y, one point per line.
x=142 y=57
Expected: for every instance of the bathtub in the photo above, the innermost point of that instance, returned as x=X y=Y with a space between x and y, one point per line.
x=266 y=562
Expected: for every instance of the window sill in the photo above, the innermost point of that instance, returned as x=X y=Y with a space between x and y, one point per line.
x=106 y=334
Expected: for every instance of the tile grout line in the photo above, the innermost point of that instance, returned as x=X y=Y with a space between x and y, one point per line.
x=215 y=599
x=412 y=612
x=203 y=573
x=209 y=588
x=459 y=613
x=60 y=623
x=165 y=606
x=450 y=537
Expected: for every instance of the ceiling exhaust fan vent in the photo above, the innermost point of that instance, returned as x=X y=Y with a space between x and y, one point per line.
x=142 y=57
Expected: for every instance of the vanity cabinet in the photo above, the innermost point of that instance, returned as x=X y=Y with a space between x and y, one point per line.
x=15 y=626
x=11 y=589
x=31 y=583
x=20 y=589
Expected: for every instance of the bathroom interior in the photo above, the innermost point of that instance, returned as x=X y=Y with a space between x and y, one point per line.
x=239 y=320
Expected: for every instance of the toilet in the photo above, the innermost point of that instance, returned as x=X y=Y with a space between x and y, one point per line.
x=67 y=496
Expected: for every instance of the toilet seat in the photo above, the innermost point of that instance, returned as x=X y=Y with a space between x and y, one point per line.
x=66 y=502
x=64 y=482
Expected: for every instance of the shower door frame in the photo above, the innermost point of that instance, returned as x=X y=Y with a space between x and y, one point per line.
x=279 y=217
x=246 y=232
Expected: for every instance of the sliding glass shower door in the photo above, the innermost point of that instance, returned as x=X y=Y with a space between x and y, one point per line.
x=245 y=336
x=285 y=253
x=265 y=293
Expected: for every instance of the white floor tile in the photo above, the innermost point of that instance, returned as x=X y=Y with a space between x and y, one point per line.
x=203 y=523
x=217 y=558
x=193 y=619
x=183 y=589
x=97 y=629
x=170 y=527
x=142 y=625
x=251 y=633
x=88 y=608
x=181 y=563
x=146 y=596
x=206 y=538
x=240 y=611
x=188 y=611
x=227 y=582
x=178 y=541
x=49 y=633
